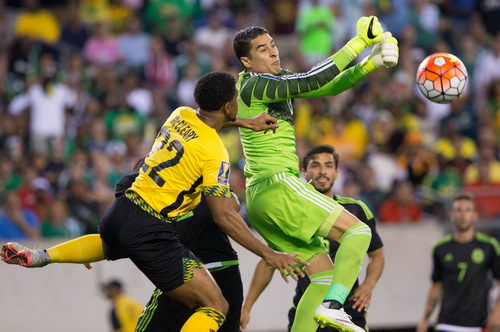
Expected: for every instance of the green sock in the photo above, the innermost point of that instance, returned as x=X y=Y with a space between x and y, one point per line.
x=312 y=298
x=348 y=261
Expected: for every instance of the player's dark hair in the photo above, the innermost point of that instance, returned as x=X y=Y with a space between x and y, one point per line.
x=242 y=40
x=113 y=284
x=214 y=90
x=321 y=149
x=464 y=196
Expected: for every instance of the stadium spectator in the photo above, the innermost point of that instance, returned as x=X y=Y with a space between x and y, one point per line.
x=383 y=161
x=120 y=119
x=456 y=148
x=439 y=188
x=414 y=160
x=83 y=207
x=372 y=195
x=37 y=23
x=488 y=12
x=102 y=49
x=491 y=114
x=59 y=223
x=74 y=33
x=213 y=38
x=463 y=115
x=15 y=221
x=486 y=157
x=134 y=44
x=136 y=95
x=93 y=12
x=46 y=99
x=487 y=69
x=191 y=53
x=315 y=24
x=401 y=207
x=159 y=69
x=349 y=136
x=186 y=85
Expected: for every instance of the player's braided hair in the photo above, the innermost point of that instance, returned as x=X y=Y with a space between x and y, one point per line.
x=214 y=90
x=242 y=40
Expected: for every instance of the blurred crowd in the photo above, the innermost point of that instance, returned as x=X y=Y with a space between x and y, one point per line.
x=86 y=85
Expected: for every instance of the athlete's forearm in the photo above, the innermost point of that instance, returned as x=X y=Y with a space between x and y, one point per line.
x=374 y=268
x=342 y=58
x=342 y=82
x=432 y=299
x=234 y=226
x=261 y=277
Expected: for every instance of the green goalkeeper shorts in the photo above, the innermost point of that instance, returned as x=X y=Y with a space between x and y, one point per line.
x=291 y=215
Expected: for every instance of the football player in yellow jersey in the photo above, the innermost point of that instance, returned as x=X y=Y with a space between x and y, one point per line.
x=186 y=160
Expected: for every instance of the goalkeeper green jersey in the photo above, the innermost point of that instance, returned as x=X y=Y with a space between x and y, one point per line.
x=268 y=154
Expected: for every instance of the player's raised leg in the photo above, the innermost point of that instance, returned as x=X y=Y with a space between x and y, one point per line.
x=354 y=237
x=84 y=249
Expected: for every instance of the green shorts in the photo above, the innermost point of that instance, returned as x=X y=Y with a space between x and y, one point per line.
x=291 y=215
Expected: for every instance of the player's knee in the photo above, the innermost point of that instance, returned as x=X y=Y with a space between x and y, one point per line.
x=221 y=305
x=224 y=307
x=218 y=302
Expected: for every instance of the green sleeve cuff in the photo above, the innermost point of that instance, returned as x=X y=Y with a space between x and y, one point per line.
x=342 y=58
x=367 y=65
x=355 y=46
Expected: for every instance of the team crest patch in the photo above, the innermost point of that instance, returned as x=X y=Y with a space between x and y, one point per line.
x=477 y=255
x=223 y=176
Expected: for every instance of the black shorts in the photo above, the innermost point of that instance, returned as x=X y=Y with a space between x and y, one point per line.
x=127 y=231
x=164 y=314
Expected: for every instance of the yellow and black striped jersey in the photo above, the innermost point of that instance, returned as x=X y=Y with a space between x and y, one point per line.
x=187 y=158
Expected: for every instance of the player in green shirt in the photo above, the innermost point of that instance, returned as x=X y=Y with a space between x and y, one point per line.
x=289 y=214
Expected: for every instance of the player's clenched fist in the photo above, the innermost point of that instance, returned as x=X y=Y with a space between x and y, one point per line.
x=369 y=30
x=386 y=52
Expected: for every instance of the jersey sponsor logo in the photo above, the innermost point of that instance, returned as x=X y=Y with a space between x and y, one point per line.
x=477 y=255
x=223 y=176
x=183 y=129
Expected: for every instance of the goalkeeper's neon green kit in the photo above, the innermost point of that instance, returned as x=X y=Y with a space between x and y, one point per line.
x=287 y=212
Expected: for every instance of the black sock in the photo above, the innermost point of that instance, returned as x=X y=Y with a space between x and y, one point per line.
x=333 y=304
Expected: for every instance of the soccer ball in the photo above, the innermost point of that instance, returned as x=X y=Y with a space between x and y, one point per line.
x=441 y=77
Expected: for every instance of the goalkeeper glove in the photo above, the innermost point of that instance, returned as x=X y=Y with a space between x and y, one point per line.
x=368 y=32
x=384 y=53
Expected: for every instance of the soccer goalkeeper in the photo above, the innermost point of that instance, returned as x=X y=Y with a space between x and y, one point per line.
x=289 y=214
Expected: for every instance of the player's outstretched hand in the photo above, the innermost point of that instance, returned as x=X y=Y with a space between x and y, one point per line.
x=369 y=30
x=264 y=122
x=283 y=261
x=386 y=52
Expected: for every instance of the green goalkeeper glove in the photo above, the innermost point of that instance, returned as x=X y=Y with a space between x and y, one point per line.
x=384 y=53
x=368 y=32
